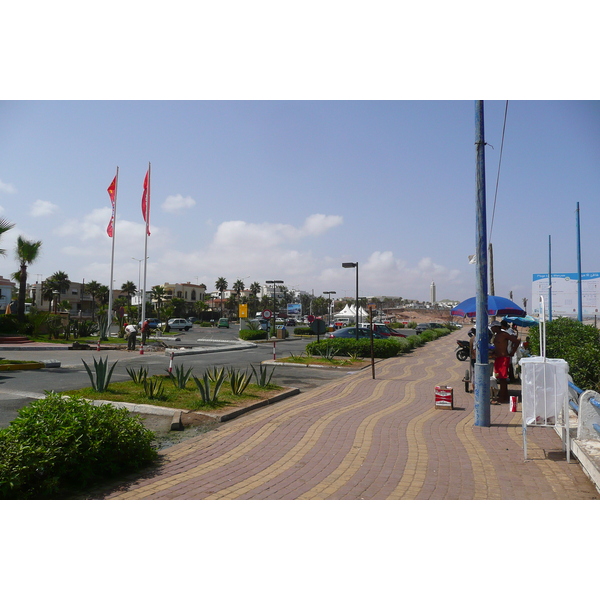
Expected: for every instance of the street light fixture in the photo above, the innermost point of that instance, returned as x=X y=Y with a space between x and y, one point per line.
x=329 y=305
x=274 y=282
x=354 y=265
x=139 y=294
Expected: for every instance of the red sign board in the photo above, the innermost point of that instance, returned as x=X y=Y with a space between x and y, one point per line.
x=267 y=314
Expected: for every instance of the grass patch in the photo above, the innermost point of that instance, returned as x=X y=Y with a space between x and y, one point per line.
x=327 y=362
x=174 y=397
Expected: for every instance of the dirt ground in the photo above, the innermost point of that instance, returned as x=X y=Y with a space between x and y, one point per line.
x=427 y=316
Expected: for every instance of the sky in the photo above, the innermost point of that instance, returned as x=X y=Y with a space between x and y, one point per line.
x=290 y=189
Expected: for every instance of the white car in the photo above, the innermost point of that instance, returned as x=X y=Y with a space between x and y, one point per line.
x=181 y=324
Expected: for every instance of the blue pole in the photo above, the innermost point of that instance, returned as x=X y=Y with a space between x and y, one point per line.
x=549 y=278
x=579 y=305
x=481 y=372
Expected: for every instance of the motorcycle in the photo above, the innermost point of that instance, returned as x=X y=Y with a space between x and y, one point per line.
x=464 y=350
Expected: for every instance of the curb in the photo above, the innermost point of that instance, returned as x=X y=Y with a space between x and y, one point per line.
x=22 y=366
x=206 y=349
x=341 y=368
x=148 y=409
x=236 y=412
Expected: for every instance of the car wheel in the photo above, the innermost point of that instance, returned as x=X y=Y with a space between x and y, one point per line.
x=187 y=328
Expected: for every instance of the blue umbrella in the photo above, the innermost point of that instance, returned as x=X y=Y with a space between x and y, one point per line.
x=526 y=321
x=497 y=305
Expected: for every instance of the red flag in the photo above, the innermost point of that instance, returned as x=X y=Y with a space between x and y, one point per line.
x=146 y=202
x=112 y=192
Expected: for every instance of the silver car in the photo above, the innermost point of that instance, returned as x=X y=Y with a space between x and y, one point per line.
x=180 y=324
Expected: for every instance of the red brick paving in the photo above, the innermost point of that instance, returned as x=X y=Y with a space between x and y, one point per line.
x=359 y=438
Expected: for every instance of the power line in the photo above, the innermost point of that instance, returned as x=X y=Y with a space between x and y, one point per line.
x=498 y=175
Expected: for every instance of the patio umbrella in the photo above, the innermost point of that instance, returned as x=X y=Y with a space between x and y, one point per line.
x=526 y=321
x=497 y=305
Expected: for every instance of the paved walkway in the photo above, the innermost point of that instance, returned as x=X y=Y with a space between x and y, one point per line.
x=359 y=438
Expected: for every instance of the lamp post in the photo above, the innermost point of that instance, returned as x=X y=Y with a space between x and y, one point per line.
x=354 y=265
x=139 y=280
x=329 y=306
x=274 y=282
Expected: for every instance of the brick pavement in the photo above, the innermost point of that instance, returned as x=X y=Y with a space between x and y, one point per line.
x=359 y=438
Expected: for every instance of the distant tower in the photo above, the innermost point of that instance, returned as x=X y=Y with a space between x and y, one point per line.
x=432 y=292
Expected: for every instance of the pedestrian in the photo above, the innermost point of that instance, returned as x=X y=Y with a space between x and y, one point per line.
x=512 y=347
x=502 y=358
x=145 y=331
x=130 y=334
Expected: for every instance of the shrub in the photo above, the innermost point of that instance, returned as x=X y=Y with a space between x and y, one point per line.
x=303 y=331
x=577 y=344
x=249 y=335
x=361 y=347
x=58 y=445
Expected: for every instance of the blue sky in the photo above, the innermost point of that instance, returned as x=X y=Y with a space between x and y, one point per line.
x=289 y=190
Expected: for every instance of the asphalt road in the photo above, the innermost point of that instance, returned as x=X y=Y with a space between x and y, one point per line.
x=19 y=388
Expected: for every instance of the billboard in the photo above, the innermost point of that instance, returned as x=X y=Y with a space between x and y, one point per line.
x=294 y=310
x=565 y=290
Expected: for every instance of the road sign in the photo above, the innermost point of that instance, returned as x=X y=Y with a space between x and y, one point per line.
x=310 y=318
x=267 y=314
x=318 y=326
x=243 y=311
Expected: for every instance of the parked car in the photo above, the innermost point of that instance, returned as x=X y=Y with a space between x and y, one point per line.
x=260 y=323
x=223 y=322
x=181 y=324
x=436 y=325
x=387 y=331
x=291 y=323
x=152 y=323
x=421 y=327
x=350 y=332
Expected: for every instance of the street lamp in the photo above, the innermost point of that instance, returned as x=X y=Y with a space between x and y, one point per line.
x=274 y=282
x=329 y=305
x=139 y=279
x=354 y=265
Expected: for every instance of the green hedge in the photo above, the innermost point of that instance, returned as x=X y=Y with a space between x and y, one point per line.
x=303 y=331
x=58 y=446
x=381 y=348
x=576 y=343
x=250 y=335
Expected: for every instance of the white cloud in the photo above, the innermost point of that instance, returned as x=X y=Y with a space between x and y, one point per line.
x=42 y=208
x=7 y=188
x=319 y=224
x=178 y=203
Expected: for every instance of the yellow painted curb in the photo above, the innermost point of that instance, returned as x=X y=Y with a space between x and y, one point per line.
x=22 y=366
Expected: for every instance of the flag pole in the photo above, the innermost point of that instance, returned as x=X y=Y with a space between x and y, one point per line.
x=146 y=233
x=112 y=257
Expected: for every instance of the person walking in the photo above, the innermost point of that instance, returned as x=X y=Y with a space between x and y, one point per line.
x=131 y=334
x=145 y=331
x=502 y=358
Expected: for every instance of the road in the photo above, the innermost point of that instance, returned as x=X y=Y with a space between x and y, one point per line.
x=19 y=388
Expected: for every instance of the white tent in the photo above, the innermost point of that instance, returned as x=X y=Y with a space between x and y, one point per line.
x=350 y=312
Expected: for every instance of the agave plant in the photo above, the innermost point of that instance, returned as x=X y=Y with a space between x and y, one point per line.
x=154 y=388
x=207 y=395
x=239 y=381
x=181 y=376
x=263 y=378
x=215 y=374
x=103 y=374
x=138 y=376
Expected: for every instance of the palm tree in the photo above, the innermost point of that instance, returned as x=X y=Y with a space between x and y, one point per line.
x=4 y=227
x=27 y=252
x=221 y=285
x=93 y=289
x=158 y=294
x=129 y=288
x=57 y=282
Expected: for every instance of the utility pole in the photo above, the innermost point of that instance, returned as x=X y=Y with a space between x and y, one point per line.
x=492 y=291
x=482 y=371
x=579 y=303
